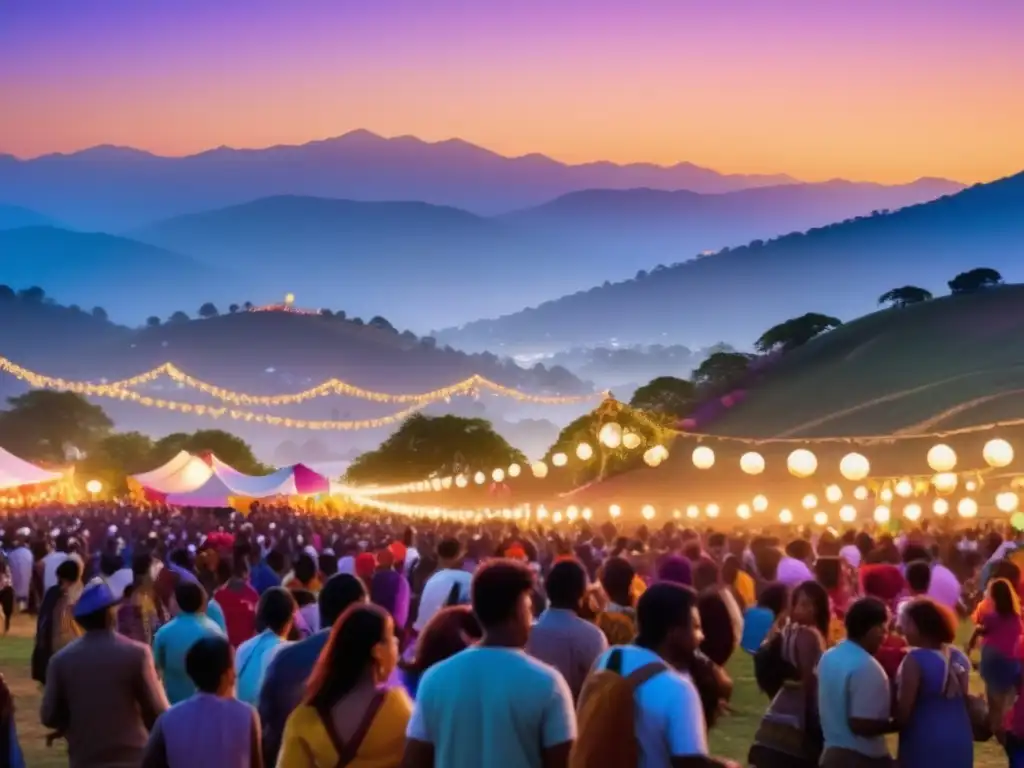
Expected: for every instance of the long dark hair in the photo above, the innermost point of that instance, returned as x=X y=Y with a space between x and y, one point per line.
x=822 y=606
x=347 y=655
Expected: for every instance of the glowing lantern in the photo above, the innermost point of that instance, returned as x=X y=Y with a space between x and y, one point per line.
x=498 y=475
x=967 y=507
x=997 y=453
x=940 y=506
x=584 y=452
x=571 y=513
x=854 y=467
x=460 y=481
x=860 y=493
x=559 y=459
x=514 y=470
x=676 y=514
x=810 y=501
x=912 y=511
x=652 y=457
x=648 y=512
x=693 y=511
x=614 y=510
x=785 y=517
x=610 y=435
x=1007 y=501
x=446 y=482
x=94 y=487
x=941 y=458
x=820 y=518
x=847 y=513
x=631 y=440
x=557 y=517
x=752 y=463
x=833 y=494
x=904 y=488
x=759 y=503
x=711 y=510
x=586 y=514
x=945 y=482
x=802 y=463
x=886 y=495
x=435 y=484
x=703 y=457
x=743 y=511
x=882 y=514
x=479 y=478
x=539 y=469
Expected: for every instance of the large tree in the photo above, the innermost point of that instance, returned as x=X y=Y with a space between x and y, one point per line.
x=43 y=425
x=115 y=457
x=721 y=371
x=434 y=445
x=228 y=448
x=795 y=332
x=666 y=395
x=905 y=296
x=974 y=280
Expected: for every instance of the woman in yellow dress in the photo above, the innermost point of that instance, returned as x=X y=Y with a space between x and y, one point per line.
x=349 y=718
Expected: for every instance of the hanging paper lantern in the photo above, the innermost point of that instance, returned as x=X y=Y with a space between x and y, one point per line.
x=711 y=510
x=940 y=506
x=614 y=510
x=461 y=482
x=820 y=518
x=539 y=469
x=810 y=501
x=848 y=513
x=584 y=452
x=514 y=470
x=446 y=482
x=941 y=458
x=703 y=457
x=802 y=463
x=860 y=493
x=647 y=511
x=967 y=507
x=882 y=514
x=752 y=463
x=785 y=516
x=652 y=457
x=904 y=488
x=945 y=482
x=912 y=511
x=693 y=511
x=833 y=494
x=759 y=503
x=559 y=459
x=479 y=478
x=571 y=512
x=743 y=511
x=854 y=467
x=498 y=475
x=997 y=453
x=435 y=483
x=885 y=495
x=586 y=514
x=631 y=440
x=1007 y=501
x=610 y=435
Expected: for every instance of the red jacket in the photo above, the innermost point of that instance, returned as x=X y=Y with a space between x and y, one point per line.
x=238 y=601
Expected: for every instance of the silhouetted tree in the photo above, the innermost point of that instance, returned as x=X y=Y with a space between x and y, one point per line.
x=100 y=313
x=905 y=296
x=974 y=280
x=247 y=305
x=42 y=425
x=208 y=310
x=795 y=332
x=7 y=293
x=178 y=317
x=383 y=324
x=35 y=294
x=153 y=321
x=408 y=335
x=667 y=395
x=722 y=370
x=357 y=321
x=340 y=314
x=75 y=308
x=326 y=313
x=428 y=342
x=233 y=308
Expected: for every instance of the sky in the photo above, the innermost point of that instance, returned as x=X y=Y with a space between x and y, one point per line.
x=883 y=90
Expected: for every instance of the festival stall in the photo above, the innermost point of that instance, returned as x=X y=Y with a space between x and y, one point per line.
x=226 y=486
x=181 y=474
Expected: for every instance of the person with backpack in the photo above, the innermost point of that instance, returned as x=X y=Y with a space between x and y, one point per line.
x=647 y=684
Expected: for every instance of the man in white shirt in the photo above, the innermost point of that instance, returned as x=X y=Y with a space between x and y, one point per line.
x=670 y=726
x=52 y=560
x=448 y=586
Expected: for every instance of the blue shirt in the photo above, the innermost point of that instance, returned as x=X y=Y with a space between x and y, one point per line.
x=170 y=646
x=251 y=661
x=496 y=701
x=216 y=614
x=851 y=683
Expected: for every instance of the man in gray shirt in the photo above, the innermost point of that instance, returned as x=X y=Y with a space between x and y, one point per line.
x=560 y=638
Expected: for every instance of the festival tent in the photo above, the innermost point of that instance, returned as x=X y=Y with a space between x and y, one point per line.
x=226 y=484
x=15 y=472
x=181 y=474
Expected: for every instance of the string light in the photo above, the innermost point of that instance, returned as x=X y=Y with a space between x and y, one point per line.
x=847 y=513
x=904 y=488
x=514 y=470
x=860 y=493
x=967 y=507
x=703 y=457
x=1007 y=501
x=940 y=506
x=945 y=482
x=584 y=452
x=820 y=518
x=941 y=458
x=647 y=511
x=833 y=494
x=810 y=501
x=559 y=459
x=539 y=469
x=693 y=511
x=711 y=510
x=997 y=453
x=743 y=511
x=631 y=440
x=802 y=463
x=785 y=516
x=912 y=512
x=752 y=463
x=610 y=435
x=882 y=514
x=614 y=510
x=854 y=467
x=759 y=503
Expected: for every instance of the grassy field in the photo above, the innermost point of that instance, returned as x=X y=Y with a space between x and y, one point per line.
x=731 y=738
x=943 y=364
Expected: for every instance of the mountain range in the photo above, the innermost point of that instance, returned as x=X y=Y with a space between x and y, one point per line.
x=737 y=293
x=118 y=188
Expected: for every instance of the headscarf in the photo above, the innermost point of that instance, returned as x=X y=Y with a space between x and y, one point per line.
x=676 y=569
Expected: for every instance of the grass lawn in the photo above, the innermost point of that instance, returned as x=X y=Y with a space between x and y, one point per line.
x=731 y=738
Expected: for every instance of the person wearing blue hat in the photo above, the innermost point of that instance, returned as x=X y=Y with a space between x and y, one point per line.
x=102 y=692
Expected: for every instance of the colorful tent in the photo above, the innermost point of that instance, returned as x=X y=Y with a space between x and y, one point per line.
x=226 y=483
x=15 y=472
x=181 y=474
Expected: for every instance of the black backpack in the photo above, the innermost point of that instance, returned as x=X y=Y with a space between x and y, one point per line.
x=770 y=669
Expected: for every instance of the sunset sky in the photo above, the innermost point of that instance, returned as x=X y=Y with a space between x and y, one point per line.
x=886 y=90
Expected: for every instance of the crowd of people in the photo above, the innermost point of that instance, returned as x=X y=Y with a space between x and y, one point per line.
x=191 y=638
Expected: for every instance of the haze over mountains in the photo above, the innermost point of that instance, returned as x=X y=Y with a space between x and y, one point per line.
x=736 y=294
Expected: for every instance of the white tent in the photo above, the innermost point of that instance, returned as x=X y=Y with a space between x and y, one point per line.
x=182 y=473
x=15 y=472
x=226 y=482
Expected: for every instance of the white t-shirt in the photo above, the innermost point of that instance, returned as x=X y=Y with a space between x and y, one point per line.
x=670 y=718
x=119 y=581
x=50 y=564
x=492 y=702
x=436 y=591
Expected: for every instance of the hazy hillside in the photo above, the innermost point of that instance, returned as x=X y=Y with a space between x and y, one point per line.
x=735 y=294
x=119 y=188
x=127 y=278
x=15 y=216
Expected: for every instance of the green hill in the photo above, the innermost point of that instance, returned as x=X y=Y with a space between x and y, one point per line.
x=944 y=364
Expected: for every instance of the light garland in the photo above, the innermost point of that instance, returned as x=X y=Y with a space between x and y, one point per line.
x=473 y=384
